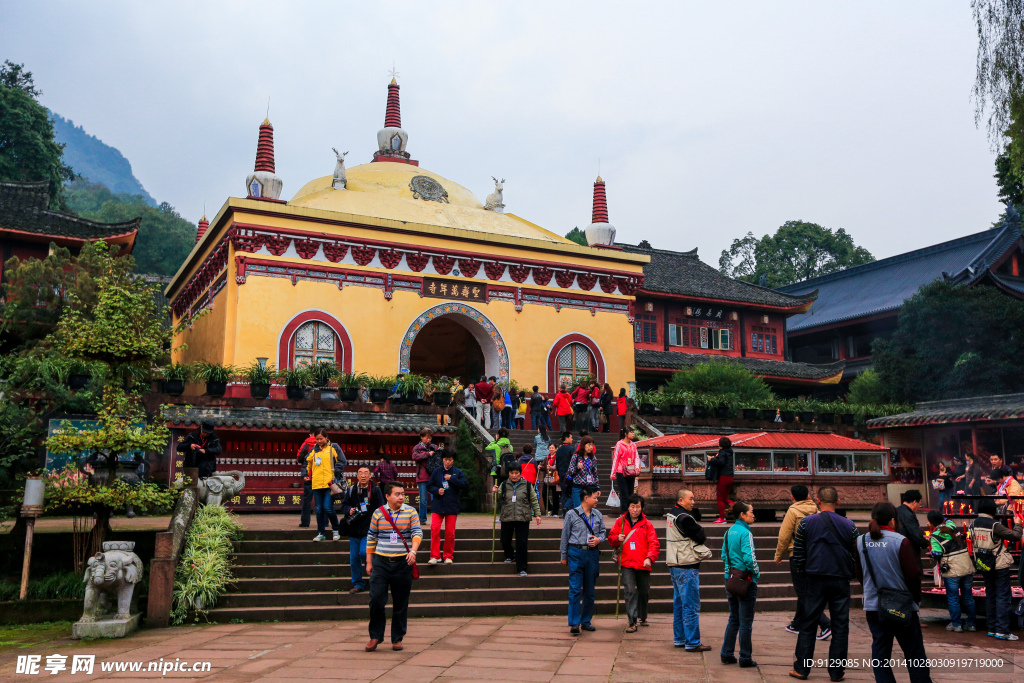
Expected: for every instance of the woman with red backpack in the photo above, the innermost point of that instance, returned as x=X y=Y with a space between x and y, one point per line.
x=640 y=547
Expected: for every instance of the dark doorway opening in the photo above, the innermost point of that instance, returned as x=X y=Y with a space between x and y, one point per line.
x=444 y=347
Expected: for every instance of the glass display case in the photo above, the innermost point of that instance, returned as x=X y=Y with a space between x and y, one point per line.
x=695 y=463
x=869 y=463
x=752 y=461
x=790 y=461
x=835 y=463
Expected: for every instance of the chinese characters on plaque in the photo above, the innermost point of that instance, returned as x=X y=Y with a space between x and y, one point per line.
x=466 y=290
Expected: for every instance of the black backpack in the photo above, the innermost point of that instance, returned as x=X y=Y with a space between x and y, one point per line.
x=433 y=461
x=508 y=458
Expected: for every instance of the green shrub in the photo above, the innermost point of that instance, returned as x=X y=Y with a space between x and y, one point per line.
x=63 y=586
x=719 y=377
x=867 y=388
x=204 y=568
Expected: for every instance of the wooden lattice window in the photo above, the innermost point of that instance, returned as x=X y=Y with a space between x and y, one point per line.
x=315 y=342
x=574 y=363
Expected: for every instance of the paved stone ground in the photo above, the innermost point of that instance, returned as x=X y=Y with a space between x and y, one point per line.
x=497 y=649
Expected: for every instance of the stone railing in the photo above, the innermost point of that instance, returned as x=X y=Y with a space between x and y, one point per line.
x=169 y=545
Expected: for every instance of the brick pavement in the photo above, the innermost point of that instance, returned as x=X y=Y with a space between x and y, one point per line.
x=496 y=649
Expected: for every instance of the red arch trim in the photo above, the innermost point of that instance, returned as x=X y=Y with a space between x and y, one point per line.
x=286 y=350
x=595 y=353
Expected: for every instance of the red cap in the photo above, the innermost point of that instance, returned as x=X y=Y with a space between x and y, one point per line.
x=393 y=115
x=600 y=214
x=265 y=148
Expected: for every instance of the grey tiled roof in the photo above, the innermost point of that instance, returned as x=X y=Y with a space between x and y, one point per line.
x=978 y=409
x=302 y=420
x=23 y=208
x=884 y=285
x=672 y=360
x=683 y=273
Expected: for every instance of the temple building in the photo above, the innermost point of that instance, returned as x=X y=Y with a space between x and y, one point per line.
x=387 y=267
x=28 y=226
x=688 y=313
x=858 y=305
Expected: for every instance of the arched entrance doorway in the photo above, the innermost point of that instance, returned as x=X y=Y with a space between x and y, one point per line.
x=444 y=347
x=433 y=344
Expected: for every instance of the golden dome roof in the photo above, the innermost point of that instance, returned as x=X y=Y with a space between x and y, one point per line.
x=384 y=189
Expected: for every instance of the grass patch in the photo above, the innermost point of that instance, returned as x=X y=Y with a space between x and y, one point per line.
x=13 y=637
x=63 y=586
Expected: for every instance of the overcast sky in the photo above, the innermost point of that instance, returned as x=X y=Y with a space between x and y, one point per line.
x=709 y=119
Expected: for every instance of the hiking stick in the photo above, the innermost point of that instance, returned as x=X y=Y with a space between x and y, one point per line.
x=494 y=519
x=618 y=585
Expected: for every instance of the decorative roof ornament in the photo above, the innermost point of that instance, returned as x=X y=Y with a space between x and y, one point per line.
x=340 y=181
x=263 y=183
x=600 y=233
x=426 y=188
x=392 y=139
x=495 y=200
x=203 y=225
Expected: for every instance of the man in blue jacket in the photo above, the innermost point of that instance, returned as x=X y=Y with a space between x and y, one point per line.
x=446 y=484
x=823 y=551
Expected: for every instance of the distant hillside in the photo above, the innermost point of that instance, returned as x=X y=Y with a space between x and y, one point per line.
x=91 y=158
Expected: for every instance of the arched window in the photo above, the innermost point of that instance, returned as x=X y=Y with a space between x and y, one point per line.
x=574 y=363
x=314 y=342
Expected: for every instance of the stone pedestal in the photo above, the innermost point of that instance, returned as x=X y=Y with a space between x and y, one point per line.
x=105 y=628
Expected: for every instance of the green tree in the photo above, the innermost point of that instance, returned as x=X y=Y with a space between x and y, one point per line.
x=720 y=377
x=797 y=251
x=953 y=341
x=466 y=460
x=28 y=150
x=578 y=236
x=867 y=389
x=165 y=238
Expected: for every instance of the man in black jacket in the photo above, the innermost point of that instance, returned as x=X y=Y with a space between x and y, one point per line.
x=563 y=456
x=359 y=503
x=201 y=449
x=823 y=551
x=908 y=525
x=536 y=408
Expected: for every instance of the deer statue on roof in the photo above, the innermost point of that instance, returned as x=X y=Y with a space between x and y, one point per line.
x=495 y=200
x=340 y=182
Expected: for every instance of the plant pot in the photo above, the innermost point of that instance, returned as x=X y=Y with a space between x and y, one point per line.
x=174 y=387
x=77 y=381
x=295 y=393
x=700 y=411
x=646 y=409
x=259 y=391
x=827 y=418
x=788 y=415
x=846 y=418
x=328 y=394
x=442 y=398
x=349 y=394
x=379 y=395
x=806 y=415
x=677 y=409
x=768 y=415
x=216 y=389
x=750 y=413
x=722 y=412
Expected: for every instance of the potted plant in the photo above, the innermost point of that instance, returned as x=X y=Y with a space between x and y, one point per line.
x=827 y=412
x=805 y=410
x=411 y=386
x=676 y=403
x=645 y=402
x=349 y=384
x=259 y=376
x=754 y=410
x=320 y=376
x=175 y=376
x=787 y=411
x=443 y=392
x=380 y=387
x=79 y=374
x=723 y=406
x=295 y=381
x=215 y=375
x=700 y=405
x=847 y=416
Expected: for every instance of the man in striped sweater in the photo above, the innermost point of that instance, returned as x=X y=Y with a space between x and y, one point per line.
x=391 y=543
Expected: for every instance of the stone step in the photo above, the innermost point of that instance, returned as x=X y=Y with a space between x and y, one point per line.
x=442 y=577
x=471 y=609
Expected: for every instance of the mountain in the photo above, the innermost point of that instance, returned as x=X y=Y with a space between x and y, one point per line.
x=91 y=158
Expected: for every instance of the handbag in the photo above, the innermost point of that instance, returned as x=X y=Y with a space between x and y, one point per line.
x=895 y=605
x=739 y=580
x=387 y=515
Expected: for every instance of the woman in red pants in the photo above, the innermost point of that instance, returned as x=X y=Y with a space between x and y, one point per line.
x=723 y=465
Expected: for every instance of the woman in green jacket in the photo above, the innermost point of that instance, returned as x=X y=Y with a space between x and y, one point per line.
x=738 y=555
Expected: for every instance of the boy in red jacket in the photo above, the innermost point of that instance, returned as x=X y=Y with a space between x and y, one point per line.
x=639 y=551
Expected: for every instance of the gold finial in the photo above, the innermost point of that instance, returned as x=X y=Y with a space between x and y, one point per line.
x=266 y=122
x=394 y=74
x=599 y=179
x=203 y=219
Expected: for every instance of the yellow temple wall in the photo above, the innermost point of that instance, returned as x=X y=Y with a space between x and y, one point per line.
x=376 y=327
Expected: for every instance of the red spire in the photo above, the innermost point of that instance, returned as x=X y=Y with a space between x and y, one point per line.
x=600 y=214
x=393 y=115
x=203 y=225
x=265 y=148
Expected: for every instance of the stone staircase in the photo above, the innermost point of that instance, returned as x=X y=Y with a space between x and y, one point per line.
x=284 y=576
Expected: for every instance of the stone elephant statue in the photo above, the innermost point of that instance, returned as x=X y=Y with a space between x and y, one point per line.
x=111 y=574
x=217 y=488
